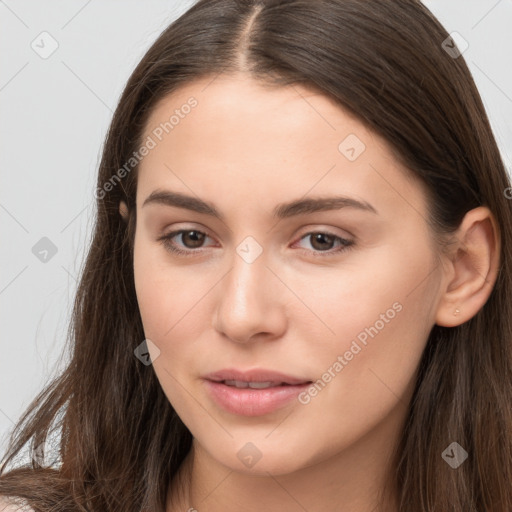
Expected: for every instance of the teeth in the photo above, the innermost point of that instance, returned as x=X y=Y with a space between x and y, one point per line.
x=253 y=385
x=262 y=385
x=236 y=383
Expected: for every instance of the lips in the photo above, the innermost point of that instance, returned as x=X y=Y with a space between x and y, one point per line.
x=232 y=375
x=254 y=392
x=241 y=384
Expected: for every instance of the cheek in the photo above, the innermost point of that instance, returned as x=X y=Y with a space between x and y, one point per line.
x=368 y=285
x=171 y=301
x=170 y=309
x=154 y=303
x=381 y=318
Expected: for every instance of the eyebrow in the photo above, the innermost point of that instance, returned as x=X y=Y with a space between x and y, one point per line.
x=281 y=211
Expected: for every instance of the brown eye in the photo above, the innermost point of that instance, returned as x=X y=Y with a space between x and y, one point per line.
x=322 y=243
x=193 y=236
x=190 y=239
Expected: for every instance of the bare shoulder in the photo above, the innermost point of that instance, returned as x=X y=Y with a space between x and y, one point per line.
x=8 y=506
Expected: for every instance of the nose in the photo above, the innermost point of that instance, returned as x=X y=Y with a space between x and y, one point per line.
x=250 y=303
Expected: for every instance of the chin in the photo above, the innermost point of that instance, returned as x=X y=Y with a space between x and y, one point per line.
x=261 y=458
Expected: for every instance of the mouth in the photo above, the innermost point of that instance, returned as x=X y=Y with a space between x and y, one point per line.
x=256 y=377
x=253 y=393
x=241 y=384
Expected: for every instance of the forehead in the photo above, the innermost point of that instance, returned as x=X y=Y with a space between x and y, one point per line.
x=235 y=105
x=267 y=143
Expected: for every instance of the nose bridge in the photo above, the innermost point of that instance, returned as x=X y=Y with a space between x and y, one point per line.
x=246 y=283
x=248 y=302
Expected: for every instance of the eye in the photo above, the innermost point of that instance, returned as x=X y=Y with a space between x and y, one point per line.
x=322 y=239
x=195 y=237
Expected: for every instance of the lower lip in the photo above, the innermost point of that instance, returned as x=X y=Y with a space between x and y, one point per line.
x=252 y=402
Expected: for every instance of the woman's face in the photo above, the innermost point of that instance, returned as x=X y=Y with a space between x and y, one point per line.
x=339 y=294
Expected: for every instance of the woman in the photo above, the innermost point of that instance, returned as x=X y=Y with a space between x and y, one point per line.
x=224 y=358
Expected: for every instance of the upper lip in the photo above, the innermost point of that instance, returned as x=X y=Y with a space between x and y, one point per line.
x=254 y=375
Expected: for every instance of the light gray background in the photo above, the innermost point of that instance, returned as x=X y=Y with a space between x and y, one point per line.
x=55 y=113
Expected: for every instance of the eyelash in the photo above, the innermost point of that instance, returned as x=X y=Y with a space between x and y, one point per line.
x=165 y=240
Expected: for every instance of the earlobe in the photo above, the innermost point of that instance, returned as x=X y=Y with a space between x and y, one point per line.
x=123 y=210
x=474 y=268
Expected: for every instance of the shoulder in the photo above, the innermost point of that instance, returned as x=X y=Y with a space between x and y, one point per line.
x=9 y=506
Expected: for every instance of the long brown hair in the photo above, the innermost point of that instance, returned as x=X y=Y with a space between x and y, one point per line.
x=121 y=440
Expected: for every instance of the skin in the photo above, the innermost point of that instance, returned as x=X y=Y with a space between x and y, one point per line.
x=245 y=148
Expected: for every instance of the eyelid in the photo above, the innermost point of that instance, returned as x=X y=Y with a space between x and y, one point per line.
x=319 y=228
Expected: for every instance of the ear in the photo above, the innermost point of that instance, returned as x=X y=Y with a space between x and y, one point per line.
x=123 y=210
x=472 y=269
